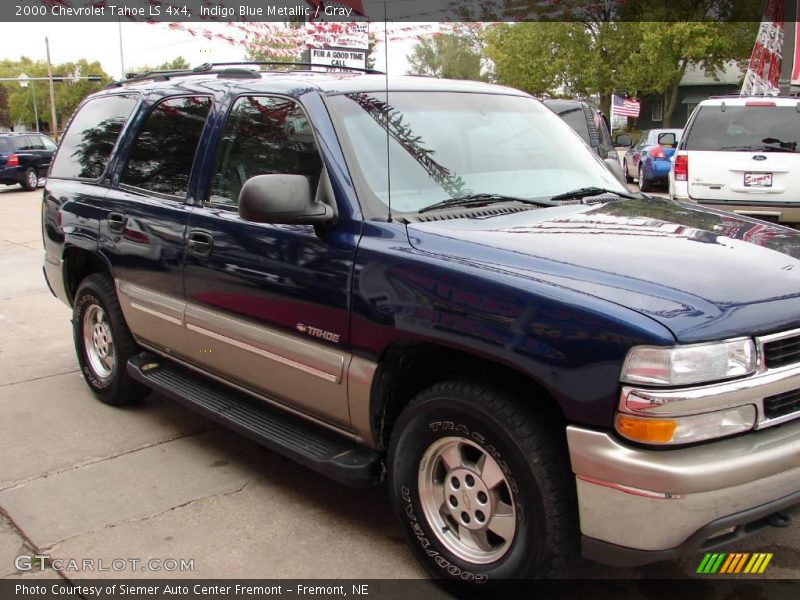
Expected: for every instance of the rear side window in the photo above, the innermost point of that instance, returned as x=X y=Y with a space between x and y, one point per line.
x=22 y=143
x=92 y=134
x=162 y=155
x=263 y=135
x=745 y=129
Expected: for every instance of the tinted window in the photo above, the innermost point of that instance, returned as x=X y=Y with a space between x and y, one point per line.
x=91 y=136
x=263 y=136
x=574 y=116
x=4 y=145
x=163 y=153
x=35 y=142
x=48 y=143
x=22 y=143
x=755 y=128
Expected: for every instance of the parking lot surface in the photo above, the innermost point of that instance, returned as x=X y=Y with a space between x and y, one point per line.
x=82 y=480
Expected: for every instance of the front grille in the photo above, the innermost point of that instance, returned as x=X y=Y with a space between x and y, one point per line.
x=782 y=404
x=780 y=353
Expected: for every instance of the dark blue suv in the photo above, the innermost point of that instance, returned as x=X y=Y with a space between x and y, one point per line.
x=437 y=283
x=25 y=158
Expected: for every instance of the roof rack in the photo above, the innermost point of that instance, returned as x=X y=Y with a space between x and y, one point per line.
x=222 y=69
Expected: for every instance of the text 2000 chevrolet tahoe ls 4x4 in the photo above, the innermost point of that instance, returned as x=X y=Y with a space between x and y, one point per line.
x=445 y=287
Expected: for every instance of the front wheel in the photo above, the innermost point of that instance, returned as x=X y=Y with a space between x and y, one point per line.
x=481 y=485
x=103 y=342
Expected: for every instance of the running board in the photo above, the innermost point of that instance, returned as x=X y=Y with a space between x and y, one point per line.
x=311 y=445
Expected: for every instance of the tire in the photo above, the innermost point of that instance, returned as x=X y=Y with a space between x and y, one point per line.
x=644 y=184
x=628 y=178
x=532 y=502
x=30 y=180
x=103 y=342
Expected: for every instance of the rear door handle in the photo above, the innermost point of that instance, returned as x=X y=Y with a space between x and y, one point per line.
x=116 y=222
x=200 y=243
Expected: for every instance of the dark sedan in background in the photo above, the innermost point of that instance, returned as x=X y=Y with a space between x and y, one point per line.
x=24 y=158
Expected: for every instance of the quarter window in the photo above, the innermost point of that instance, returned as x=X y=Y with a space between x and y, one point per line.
x=263 y=135
x=91 y=136
x=163 y=152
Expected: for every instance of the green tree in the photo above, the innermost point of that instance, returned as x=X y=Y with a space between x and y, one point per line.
x=448 y=55
x=68 y=90
x=643 y=48
x=176 y=64
x=5 y=119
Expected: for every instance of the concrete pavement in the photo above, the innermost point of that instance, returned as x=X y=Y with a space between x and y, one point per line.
x=82 y=480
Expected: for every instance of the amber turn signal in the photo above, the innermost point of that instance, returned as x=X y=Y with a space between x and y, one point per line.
x=646 y=430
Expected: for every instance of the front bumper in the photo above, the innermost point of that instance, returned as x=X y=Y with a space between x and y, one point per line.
x=639 y=506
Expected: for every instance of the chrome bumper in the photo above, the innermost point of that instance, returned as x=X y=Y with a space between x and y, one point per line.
x=659 y=502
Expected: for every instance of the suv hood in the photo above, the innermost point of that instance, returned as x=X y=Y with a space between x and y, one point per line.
x=704 y=274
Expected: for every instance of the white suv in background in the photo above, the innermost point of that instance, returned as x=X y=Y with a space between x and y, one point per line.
x=742 y=154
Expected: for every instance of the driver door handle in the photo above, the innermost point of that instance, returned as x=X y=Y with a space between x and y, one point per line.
x=200 y=243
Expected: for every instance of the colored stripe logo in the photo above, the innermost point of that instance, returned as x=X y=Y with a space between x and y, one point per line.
x=735 y=562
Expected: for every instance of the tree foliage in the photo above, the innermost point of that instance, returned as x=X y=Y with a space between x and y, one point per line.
x=176 y=64
x=448 y=55
x=68 y=92
x=645 y=48
x=5 y=120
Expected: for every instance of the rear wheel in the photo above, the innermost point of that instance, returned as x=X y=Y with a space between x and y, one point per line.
x=645 y=184
x=103 y=342
x=30 y=179
x=481 y=485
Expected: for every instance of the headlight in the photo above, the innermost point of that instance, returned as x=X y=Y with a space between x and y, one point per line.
x=685 y=365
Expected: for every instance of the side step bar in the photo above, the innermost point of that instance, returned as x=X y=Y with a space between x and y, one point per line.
x=304 y=442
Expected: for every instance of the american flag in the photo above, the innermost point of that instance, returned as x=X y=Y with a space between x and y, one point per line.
x=624 y=107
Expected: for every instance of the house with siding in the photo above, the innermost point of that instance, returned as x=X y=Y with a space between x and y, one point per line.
x=694 y=87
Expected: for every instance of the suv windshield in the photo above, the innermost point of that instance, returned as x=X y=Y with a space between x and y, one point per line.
x=446 y=145
x=743 y=128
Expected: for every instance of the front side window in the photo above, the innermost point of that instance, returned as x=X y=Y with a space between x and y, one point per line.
x=444 y=145
x=263 y=135
x=163 y=153
x=91 y=136
x=47 y=143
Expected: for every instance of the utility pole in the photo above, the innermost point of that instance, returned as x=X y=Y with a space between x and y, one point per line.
x=121 y=56
x=787 y=57
x=53 y=123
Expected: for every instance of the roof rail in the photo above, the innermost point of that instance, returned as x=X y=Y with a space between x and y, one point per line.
x=220 y=69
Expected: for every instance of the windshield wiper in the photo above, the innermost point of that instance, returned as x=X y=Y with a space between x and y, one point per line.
x=481 y=200
x=585 y=192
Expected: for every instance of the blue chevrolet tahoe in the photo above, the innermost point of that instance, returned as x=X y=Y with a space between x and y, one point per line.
x=436 y=284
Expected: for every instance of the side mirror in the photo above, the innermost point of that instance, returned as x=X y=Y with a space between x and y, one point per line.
x=282 y=199
x=614 y=166
x=622 y=140
x=668 y=139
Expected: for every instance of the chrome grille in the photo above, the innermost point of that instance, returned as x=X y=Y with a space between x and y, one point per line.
x=782 y=352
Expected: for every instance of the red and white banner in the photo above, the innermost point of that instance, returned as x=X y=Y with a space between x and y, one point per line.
x=796 y=65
